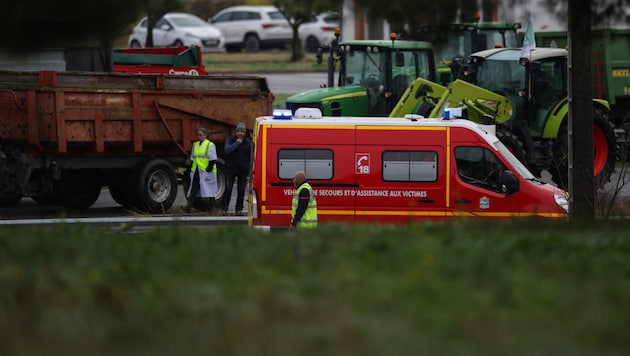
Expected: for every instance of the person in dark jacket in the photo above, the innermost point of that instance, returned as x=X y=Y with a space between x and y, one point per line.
x=238 y=151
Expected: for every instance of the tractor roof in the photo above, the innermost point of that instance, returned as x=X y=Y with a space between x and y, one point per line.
x=400 y=44
x=515 y=53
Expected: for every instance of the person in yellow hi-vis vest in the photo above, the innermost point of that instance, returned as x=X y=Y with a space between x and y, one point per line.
x=304 y=204
x=203 y=172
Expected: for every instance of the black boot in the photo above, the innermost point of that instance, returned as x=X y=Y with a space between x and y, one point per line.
x=208 y=204
x=211 y=208
x=188 y=205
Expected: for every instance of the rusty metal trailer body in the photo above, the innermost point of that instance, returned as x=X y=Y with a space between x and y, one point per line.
x=65 y=135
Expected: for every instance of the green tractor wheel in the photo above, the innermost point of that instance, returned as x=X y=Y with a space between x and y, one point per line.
x=513 y=143
x=604 y=150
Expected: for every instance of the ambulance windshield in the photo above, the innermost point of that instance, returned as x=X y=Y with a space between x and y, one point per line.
x=513 y=161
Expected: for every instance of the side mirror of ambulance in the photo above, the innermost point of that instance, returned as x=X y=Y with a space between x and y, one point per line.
x=510 y=183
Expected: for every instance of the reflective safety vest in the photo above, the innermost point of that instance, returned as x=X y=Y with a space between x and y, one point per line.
x=309 y=219
x=200 y=156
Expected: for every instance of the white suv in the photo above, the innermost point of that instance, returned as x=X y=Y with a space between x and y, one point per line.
x=253 y=28
x=319 y=31
x=179 y=29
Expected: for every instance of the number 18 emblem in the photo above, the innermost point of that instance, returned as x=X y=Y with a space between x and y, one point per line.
x=363 y=163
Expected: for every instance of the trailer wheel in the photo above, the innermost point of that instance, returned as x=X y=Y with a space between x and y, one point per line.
x=604 y=151
x=119 y=192
x=157 y=186
x=77 y=189
x=46 y=198
x=218 y=200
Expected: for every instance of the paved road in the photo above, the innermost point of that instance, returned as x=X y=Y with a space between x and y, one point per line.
x=107 y=210
x=293 y=83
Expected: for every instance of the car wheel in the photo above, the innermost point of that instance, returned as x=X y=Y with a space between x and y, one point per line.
x=135 y=44
x=178 y=43
x=311 y=44
x=252 y=44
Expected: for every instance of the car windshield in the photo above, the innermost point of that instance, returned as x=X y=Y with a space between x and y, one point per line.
x=187 y=21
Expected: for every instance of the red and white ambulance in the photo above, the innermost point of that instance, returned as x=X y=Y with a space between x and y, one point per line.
x=392 y=170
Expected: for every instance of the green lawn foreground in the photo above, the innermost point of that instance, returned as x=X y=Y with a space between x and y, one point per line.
x=527 y=287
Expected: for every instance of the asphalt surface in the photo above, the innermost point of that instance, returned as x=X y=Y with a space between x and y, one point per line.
x=293 y=83
x=107 y=211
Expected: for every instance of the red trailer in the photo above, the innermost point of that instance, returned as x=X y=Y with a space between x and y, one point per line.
x=65 y=135
x=159 y=60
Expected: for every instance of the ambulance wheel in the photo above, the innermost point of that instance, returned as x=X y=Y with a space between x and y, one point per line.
x=157 y=183
x=77 y=189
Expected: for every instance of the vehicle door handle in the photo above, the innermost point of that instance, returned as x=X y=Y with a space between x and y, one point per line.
x=426 y=200
x=462 y=201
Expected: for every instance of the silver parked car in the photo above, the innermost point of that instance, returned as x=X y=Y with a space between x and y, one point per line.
x=319 y=31
x=253 y=28
x=178 y=29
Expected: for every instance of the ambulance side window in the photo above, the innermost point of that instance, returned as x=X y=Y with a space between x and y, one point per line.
x=317 y=163
x=480 y=167
x=410 y=166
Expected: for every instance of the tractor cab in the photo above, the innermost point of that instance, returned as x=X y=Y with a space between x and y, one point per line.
x=372 y=76
x=534 y=83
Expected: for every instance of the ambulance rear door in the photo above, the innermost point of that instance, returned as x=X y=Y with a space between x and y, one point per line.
x=326 y=154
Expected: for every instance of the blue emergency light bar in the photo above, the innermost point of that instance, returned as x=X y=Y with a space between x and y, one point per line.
x=282 y=114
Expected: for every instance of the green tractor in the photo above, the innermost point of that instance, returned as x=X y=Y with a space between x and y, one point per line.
x=373 y=74
x=459 y=40
x=526 y=97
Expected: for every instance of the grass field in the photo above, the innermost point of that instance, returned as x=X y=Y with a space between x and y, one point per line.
x=457 y=288
x=264 y=61
x=261 y=62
